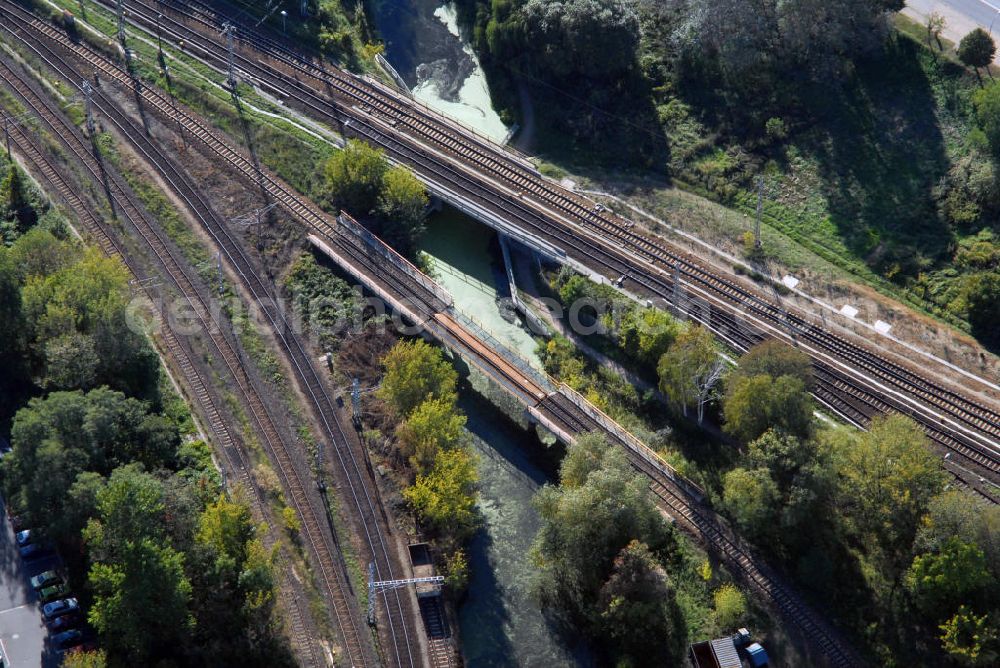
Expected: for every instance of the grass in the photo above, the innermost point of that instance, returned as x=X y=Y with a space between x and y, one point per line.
x=855 y=188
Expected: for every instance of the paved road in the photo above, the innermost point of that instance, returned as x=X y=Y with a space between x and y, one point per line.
x=962 y=16
x=22 y=633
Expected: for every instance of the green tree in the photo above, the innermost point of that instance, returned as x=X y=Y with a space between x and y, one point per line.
x=352 y=178
x=91 y=297
x=986 y=102
x=18 y=213
x=730 y=607
x=415 y=371
x=954 y=514
x=752 y=499
x=646 y=334
x=599 y=507
x=984 y=309
x=638 y=610
x=977 y=49
x=445 y=497
x=687 y=368
x=757 y=403
x=57 y=438
x=140 y=606
x=775 y=359
x=433 y=426
x=888 y=477
x=940 y=580
x=970 y=639
x=595 y=38
x=402 y=205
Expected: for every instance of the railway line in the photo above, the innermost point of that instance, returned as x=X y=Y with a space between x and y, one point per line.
x=301 y=632
x=700 y=522
x=719 y=319
x=504 y=183
x=289 y=469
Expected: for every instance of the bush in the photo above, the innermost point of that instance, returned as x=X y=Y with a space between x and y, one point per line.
x=730 y=607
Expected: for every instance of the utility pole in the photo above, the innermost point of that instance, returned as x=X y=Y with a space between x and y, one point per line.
x=228 y=30
x=760 y=212
x=378 y=586
x=88 y=105
x=677 y=289
x=255 y=217
x=218 y=266
x=356 y=402
x=121 y=22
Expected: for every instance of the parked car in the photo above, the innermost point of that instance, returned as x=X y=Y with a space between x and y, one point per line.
x=53 y=592
x=62 y=606
x=66 y=622
x=67 y=639
x=33 y=551
x=46 y=579
x=24 y=537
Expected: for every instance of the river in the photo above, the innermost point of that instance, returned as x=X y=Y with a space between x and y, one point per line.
x=423 y=43
x=500 y=623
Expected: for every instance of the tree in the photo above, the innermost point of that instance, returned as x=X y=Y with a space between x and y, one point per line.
x=415 y=371
x=402 y=206
x=955 y=515
x=936 y=23
x=939 y=581
x=751 y=498
x=141 y=592
x=730 y=607
x=445 y=497
x=140 y=605
x=638 y=611
x=97 y=658
x=970 y=639
x=986 y=102
x=689 y=369
x=433 y=426
x=646 y=334
x=977 y=49
x=594 y=38
x=19 y=213
x=757 y=403
x=984 y=309
x=775 y=359
x=599 y=507
x=352 y=177
x=888 y=477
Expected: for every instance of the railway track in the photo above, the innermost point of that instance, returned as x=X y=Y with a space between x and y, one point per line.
x=737 y=553
x=302 y=635
x=357 y=471
x=736 y=335
x=381 y=116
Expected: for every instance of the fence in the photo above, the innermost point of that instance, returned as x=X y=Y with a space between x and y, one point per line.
x=352 y=226
x=630 y=440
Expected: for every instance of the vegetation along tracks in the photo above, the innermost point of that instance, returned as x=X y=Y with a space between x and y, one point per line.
x=965 y=421
x=301 y=635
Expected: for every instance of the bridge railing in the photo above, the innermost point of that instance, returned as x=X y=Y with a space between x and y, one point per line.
x=503 y=350
x=355 y=228
x=631 y=441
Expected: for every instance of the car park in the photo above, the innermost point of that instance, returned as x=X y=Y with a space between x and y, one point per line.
x=67 y=639
x=46 y=579
x=62 y=606
x=53 y=592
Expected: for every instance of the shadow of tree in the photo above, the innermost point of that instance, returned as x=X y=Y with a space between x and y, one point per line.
x=880 y=152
